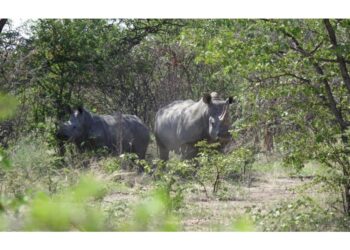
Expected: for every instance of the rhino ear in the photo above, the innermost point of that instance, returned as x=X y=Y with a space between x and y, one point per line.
x=80 y=109
x=207 y=98
x=230 y=100
x=68 y=109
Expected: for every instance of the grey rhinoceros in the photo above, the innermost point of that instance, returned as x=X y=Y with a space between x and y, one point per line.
x=181 y=124
x=91 y=131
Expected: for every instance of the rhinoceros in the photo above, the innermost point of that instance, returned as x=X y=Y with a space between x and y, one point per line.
x=91 y=131
x=181 y=124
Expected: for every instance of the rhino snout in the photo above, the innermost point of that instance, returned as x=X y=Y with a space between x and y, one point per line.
x=214 y=136
x=61 y=135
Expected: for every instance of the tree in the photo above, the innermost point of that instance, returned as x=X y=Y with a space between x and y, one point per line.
x=2 y=23
x=295 y=77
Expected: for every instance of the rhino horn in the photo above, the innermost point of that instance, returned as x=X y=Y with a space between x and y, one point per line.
x=224 y=113
x=80 y=109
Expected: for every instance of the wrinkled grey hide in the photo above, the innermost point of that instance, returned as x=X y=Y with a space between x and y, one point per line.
x=181 y=124
x=90 y=131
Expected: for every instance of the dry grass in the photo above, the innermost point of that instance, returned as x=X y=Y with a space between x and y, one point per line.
x=212 y=213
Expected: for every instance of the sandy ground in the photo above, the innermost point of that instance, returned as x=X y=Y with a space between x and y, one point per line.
x=215 y=213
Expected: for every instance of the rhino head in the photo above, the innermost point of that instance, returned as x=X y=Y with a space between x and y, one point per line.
x=76 y=128
x=218 y=115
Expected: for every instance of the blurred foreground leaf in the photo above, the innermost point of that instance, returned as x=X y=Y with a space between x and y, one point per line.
x=154 y=214
x=243 y=224
x=68 y=211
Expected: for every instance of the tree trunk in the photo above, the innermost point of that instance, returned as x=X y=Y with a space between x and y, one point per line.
x=340 y=58
x=346 y=199
x=268 y=138
x=331 y=101
x=343 y=124
x=2 y=23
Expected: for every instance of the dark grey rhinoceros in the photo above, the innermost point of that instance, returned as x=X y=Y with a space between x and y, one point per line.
x=91 y=131
x=181 y=124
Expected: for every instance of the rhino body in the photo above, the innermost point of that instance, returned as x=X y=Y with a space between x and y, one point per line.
x=91 y=131
x=181 y=124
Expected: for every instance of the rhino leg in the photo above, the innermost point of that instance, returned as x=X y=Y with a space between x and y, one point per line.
x=163 y=150
x=135 y=147
x=188 y=151
x=163 y=153
x=141 y=152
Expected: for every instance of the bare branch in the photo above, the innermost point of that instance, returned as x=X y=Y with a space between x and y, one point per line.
x=332 y=102
x=297 y=46
x=331 y=60
x=340 y=58
x=316 y=48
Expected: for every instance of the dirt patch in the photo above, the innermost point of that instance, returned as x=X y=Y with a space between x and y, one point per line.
x=214 y=214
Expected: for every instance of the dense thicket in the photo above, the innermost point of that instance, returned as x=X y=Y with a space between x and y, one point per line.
x=290 y=78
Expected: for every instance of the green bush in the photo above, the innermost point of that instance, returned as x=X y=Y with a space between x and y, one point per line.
x=127 y=161
x=155 y=213
x=8 y=105
x=214 y=167
x=110 y=164
x=210 y=168
x=69 y=210
x=243 y=224
x=32 y=166
x=303 y=214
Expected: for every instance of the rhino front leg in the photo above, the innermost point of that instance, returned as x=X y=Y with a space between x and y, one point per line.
x=163 y=150
x=163 y=153
x=188 y=151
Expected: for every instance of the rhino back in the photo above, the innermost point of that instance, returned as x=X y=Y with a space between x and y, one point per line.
x=103 y=130
x=193 y=123
x=136 y=135
x=134 y=128
x=174 y=123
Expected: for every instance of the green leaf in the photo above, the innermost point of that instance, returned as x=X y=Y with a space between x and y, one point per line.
x=8 y=105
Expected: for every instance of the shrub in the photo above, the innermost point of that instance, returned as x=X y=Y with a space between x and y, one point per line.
x=32 y=166
x=215 y=166
x=68 y=210
x=110 y=164
x=155 y=213
x=303 y=214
